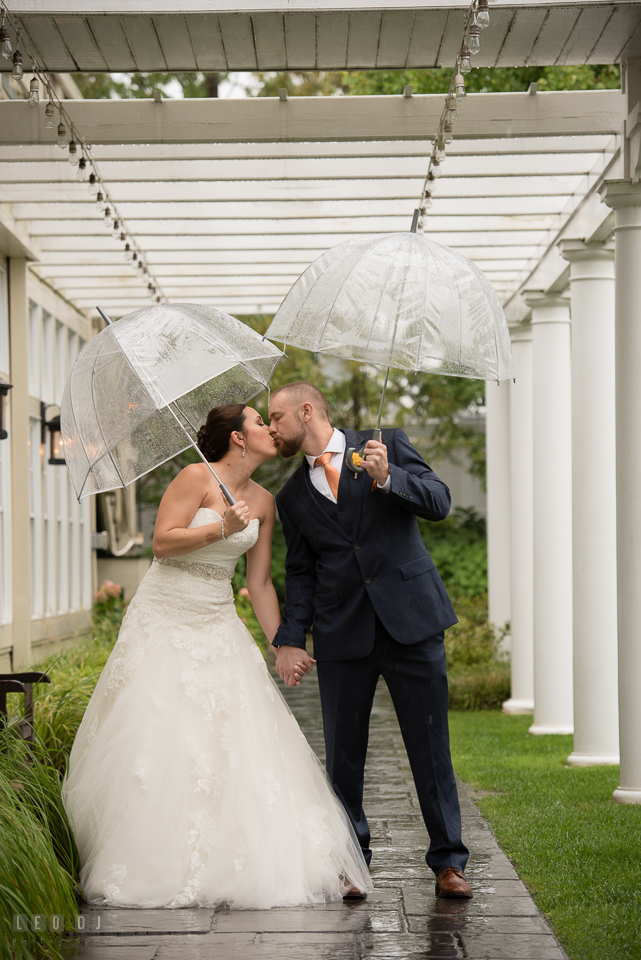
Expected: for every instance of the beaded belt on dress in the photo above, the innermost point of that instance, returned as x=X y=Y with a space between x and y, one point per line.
x=208 y=571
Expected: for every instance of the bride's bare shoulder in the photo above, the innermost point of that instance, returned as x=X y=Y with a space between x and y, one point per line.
x=263 y=500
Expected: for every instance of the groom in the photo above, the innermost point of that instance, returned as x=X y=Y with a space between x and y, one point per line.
x=358 y=573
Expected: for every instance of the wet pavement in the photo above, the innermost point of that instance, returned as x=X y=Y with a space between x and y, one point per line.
x=401 y=919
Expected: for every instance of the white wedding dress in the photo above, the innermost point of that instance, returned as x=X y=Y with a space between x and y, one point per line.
x=190 y=782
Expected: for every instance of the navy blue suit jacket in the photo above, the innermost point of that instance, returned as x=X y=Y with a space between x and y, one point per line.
x=362 y=556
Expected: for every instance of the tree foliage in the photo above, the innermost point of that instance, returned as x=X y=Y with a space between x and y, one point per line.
x=107 y=86
x=306 y=83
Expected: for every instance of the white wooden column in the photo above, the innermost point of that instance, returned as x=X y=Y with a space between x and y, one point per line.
x=20 y=480
x=497 y=446
x=522 y=530
x=596 y=713
x=625 y=198
x=552 y=498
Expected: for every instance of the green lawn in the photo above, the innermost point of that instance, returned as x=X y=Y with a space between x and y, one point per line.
x=579 y=852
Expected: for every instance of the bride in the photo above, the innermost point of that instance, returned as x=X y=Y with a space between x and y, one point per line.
x=189 y=781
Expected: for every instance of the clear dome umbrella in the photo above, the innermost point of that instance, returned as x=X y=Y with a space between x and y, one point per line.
x=398 y=300
x=140 y=390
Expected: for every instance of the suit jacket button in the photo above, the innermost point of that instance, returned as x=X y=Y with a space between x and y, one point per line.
x=367 y=580
x=357 y=546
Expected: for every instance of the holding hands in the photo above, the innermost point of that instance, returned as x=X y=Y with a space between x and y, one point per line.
x=375 y=461
x=236 y=518
x=293 y=663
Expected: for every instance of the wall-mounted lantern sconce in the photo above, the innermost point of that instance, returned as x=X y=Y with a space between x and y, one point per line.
x=5 y=387
x=56 y=450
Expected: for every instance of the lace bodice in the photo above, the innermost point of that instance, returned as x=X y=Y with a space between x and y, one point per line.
x=223 y=553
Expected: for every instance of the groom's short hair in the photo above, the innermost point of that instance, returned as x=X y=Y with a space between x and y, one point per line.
x=302 y=391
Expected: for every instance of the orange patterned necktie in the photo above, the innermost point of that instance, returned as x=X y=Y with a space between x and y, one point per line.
x=332 y=474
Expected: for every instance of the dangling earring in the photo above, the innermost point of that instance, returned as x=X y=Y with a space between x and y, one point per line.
x=244 y=451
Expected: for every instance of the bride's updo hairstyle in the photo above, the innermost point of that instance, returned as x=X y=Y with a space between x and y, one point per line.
x=214 y=437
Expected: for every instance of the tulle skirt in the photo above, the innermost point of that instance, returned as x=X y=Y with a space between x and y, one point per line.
x=190 y=782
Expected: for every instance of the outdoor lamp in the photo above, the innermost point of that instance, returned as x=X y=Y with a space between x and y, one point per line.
x=62 y=136
x=483 y=14
x=5 y=387
x=5 y=40
x=459 y=83
x=474 y=39
x=34 y=92
x=465 y=64
x=56 y=448
x=81 y=171
x=73 y=153
x=49 y=116
x=452 y=115
x=17 y=71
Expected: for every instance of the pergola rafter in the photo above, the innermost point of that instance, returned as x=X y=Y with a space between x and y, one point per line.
x=233 y=224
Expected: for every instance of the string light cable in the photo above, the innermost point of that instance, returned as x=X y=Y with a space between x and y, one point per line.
x=80 y=152
x=475 y=19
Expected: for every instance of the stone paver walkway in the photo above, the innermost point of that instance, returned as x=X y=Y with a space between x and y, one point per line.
x=401 y=919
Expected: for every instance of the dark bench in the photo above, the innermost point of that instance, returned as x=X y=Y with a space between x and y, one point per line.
x=20 y=683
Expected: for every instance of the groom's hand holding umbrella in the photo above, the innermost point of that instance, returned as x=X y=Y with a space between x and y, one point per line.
x=375 y=461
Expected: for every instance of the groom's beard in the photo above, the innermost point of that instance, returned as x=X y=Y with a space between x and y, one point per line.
x=289 y=448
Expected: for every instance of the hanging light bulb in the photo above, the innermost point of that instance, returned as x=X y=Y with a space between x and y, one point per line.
x=81 y=172
x=151 y=288
x=440 y=150
x=123 y=236
x=93 y=186
x=49 y=115
x=426 y=200
x=128 y=253
x=115 y=233
x=73 y=153
x=99 y=197
x=459 y=83
x=436 y=167
x=62 y=136
x=448 y=134
x=474 y=39
x=482 y=14
x=17 y=71
x=5 y=39
x=157 y=299
x=452 y=115
x=465 y=64
x=107 y=217
x=34 y=92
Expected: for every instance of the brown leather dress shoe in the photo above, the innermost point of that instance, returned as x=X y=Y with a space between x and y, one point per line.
x=451 y=884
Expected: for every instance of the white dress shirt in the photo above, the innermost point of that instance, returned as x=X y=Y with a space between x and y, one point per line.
x=336 y=447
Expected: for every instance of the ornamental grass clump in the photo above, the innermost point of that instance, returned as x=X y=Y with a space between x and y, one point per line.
x=40 y=863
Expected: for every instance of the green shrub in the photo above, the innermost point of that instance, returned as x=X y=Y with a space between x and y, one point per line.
x=40 y=862
x=458 y=547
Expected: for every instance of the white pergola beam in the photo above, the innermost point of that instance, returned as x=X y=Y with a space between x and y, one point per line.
x=196 y=245
x=241 y=192
x=133 y=172
x=294 y=209
x=147 y=229
x=338 y=150
x=269 y=119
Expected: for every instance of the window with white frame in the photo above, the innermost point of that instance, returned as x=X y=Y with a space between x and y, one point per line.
x=6 y=613
x=34 y=349
x=5 y=364
x=35 y=518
